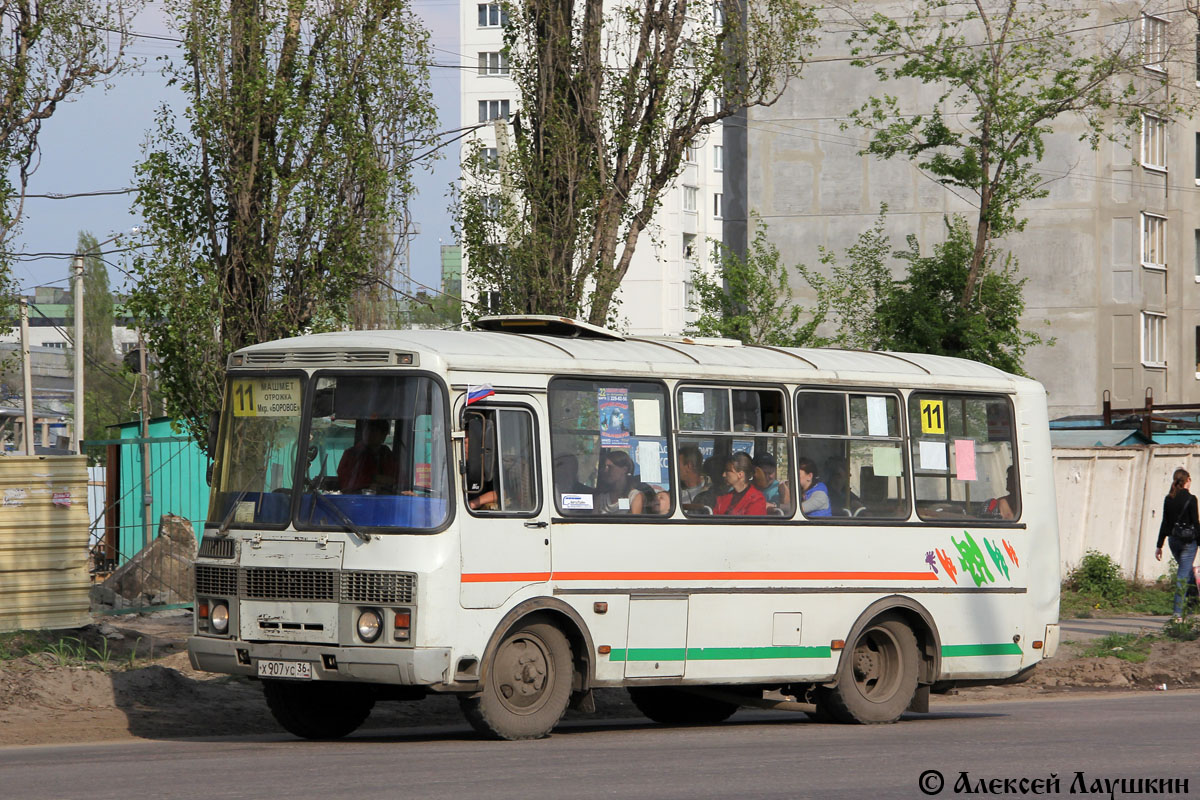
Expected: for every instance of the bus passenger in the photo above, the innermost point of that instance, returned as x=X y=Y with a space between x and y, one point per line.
x=695 y=488
x=369 y=465
x=814 y=501
x=743 y=499
x=566 y=475
x=1004 y=507
x=841 y=497
x=777 y=493
x=618 y=492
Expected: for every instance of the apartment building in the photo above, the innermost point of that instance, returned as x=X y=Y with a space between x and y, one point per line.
x=1112 y=254
x=656 y=291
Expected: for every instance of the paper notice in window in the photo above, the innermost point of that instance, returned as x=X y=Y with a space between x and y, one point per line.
x=886 y=462
x=575 y=502
x=647 y=419
x=964 y=459
x=933 y=456
x=693 y=402
x=877 y=423
x=649 y=463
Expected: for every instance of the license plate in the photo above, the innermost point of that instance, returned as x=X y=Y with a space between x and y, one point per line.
x=297 y=670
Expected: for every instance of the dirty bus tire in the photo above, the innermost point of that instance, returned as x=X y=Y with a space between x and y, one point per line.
x=316 y=709
x=877 y=676
x=670 y=706
x=526 y=685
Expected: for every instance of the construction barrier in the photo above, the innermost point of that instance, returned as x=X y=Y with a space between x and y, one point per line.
x=44 y=580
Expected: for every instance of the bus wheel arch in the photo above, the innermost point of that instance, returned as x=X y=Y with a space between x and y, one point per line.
x=533 y=667
x=891 y=657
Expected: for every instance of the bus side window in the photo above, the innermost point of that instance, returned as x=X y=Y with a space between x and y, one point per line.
x=508 y=475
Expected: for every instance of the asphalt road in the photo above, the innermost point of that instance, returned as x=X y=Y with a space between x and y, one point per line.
x=756 y=754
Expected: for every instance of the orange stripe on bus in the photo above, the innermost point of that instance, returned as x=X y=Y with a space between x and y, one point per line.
x=501 y=577
x=504 y=577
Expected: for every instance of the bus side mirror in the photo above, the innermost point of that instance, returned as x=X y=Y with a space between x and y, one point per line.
x=214 y=423
x=474 y=445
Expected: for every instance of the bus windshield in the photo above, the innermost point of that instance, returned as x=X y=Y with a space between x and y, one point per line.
x=375 y=455
x=256 y=457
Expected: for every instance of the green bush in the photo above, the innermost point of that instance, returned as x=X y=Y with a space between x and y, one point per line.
x=1098 y=575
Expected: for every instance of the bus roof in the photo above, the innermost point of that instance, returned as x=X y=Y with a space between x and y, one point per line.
x=512 y=352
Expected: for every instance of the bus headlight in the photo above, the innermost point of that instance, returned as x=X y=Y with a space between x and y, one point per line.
x=219 y=617
x=370 y=625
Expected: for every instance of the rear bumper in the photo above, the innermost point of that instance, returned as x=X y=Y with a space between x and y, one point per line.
x=425 y=666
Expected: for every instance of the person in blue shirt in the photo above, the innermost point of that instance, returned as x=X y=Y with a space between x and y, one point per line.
x=814 y=498
x=766 y=480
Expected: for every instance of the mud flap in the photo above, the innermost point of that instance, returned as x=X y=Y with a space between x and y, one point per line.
x=583 y=701
x=920 y=701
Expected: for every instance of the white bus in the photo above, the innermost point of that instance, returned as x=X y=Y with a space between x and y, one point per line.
x=528 y=511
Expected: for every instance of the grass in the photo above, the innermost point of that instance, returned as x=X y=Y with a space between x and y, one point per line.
x=60 y=649
x=1132 y=647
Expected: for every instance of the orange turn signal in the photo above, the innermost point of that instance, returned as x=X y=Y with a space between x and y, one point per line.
x=604 y=649
x=1037 y=645
x=837 y=644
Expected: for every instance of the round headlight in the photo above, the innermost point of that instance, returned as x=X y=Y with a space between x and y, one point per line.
x=219 y=616
x=370 y=624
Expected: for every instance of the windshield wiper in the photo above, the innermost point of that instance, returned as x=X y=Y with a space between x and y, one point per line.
x=348 y=523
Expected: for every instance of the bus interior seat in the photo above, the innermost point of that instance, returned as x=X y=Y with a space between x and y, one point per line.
x=873 y=489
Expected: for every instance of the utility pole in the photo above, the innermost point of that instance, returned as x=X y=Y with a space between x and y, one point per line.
x=147 y=495
x=28 y=377
x=77 y=277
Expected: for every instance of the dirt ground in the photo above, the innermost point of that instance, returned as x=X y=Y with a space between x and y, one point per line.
x=144 y=687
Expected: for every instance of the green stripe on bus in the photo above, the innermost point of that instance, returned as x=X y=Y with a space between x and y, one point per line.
x=716 y=653
x=1001 y=649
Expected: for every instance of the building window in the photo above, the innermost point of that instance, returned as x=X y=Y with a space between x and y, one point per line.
x=689 y=153
x=1154 y=339
x=1154 y=142
x=689 y=301
x=689 y=198
x=491 y=158
x=491 y=207
x=493 y=109
x=719 y=14
x=718 y=158
x=1154 y=43
x=689 y=248
x=718 y=205
x=493 y=63
x=1154 y=241
x=55 y=345
x=492 y=15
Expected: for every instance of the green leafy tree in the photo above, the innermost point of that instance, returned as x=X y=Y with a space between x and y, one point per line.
x=608 y=103
x=269 y=205
x=107 y=388
x=749 y=299
x=50 y=52
x=1004 y=72
x=923 y=312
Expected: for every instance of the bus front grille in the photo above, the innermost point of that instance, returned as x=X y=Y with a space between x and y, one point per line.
x=211 y=547
x=272 y=583
x=218 y=581
x=378 y=587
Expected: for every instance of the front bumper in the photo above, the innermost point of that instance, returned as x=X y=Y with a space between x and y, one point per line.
x=412 y=666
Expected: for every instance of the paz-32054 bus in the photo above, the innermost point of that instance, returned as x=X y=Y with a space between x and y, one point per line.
x=527 y=511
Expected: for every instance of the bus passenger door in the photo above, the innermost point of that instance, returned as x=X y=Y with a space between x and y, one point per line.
x=505 y=538
x=657 y=643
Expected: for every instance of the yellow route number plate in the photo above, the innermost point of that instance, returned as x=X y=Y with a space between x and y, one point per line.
x=265 y=397
x=933 y=417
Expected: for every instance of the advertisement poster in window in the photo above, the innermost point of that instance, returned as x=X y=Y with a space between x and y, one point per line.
x=615 y=423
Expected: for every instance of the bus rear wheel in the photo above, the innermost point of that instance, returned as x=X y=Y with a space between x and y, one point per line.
x=877 y=677
x=670 y=706
x=526 y=686
x=318 y=710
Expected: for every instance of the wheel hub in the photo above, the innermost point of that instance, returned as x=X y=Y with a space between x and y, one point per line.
x=521 y=674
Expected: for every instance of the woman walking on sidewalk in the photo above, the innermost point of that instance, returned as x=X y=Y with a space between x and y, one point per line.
x=1179 y=528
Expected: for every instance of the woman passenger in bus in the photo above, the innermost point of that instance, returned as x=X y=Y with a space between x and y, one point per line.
x=619 y=492
x=814 y=500
x=743 y=498
x=1005 y=507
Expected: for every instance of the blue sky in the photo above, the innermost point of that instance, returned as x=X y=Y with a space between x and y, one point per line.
x=92 y=145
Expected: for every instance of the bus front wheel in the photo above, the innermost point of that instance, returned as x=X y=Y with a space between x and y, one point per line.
x=318 y=710
x=877 y=677
x=526 y=687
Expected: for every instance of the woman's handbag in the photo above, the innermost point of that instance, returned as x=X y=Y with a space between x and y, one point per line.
x=1183 y=530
